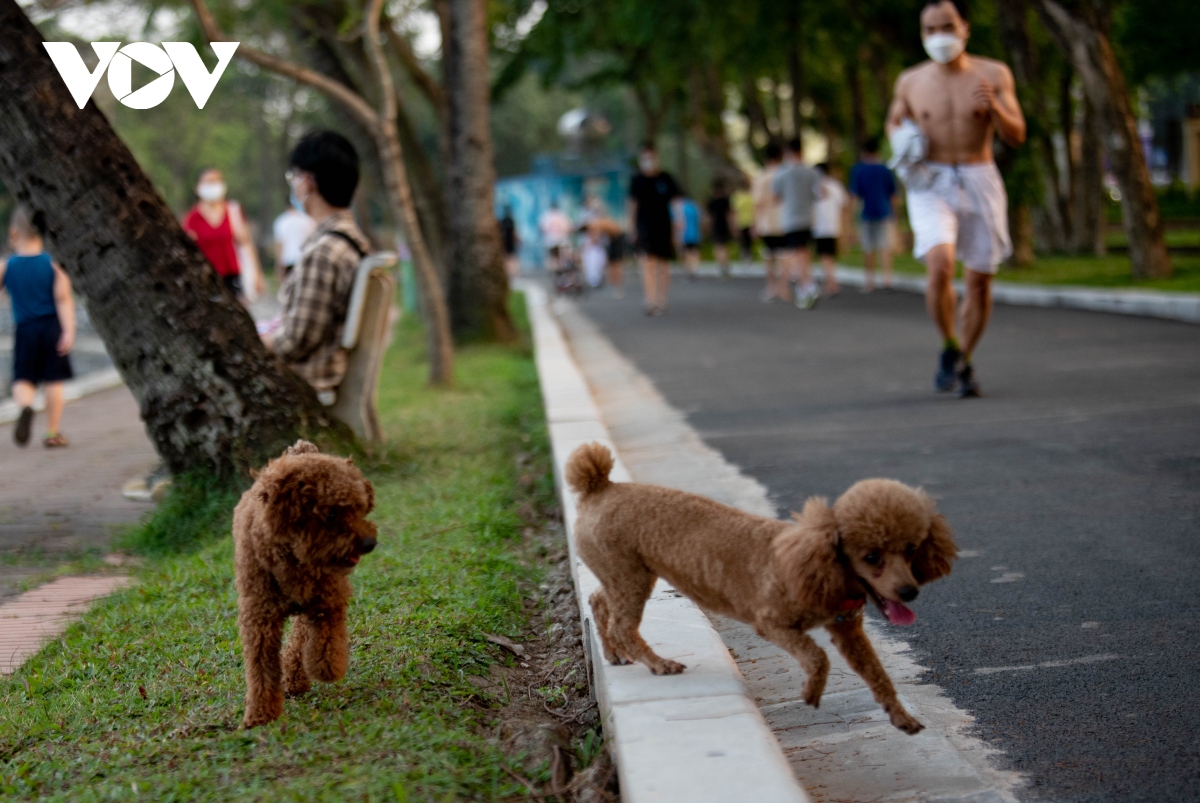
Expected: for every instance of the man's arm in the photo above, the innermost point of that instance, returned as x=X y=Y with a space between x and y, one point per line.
x=632 y=216
x=899 y=111
x=1000 y=100
x=64 y=304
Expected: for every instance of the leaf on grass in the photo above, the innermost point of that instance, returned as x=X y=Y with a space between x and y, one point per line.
x=508 y=644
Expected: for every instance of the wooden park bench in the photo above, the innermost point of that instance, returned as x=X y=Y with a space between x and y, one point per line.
x=365 y=338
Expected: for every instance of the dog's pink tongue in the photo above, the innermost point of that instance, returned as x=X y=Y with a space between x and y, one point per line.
x=898 y=613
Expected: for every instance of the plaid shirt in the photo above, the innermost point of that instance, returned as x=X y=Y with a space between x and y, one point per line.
x=315 y=296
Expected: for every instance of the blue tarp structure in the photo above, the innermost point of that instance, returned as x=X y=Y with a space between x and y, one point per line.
x=567 y=181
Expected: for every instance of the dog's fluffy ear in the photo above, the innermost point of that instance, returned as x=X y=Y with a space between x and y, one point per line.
x=808 y=559
x=936 y=552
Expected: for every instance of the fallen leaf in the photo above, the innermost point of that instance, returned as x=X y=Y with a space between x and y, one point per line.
x=515 y=649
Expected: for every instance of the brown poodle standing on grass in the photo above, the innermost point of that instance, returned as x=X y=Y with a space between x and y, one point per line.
x=298 y=533
x=880 y=540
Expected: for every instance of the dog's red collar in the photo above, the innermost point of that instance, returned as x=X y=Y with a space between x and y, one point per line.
x=851 y=603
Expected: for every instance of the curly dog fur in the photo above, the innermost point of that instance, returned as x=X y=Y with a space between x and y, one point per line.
x=298 y=532
x=880 y=540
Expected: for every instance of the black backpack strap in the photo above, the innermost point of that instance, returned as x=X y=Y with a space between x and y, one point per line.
x=353 y=244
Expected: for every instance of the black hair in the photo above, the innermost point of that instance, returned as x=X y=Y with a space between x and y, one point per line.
x=871 y=145
x=794 y=145
x=773 y=152
x=648 y=145
x=959 y=5
x=824 y=167
x=333 y=163
x=720 y=186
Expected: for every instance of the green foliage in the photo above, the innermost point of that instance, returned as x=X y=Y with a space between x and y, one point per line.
x=197 y=509
x=1156 y=37
x=142 y=697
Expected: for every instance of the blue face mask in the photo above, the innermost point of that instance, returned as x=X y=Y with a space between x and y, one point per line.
x=295 y=202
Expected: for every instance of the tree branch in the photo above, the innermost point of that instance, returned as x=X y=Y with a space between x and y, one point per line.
x=352 y=101
x=425 y=82
x=379 y=65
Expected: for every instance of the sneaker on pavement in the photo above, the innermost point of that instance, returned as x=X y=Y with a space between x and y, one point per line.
x=947 y=374
x=23 y=427
x=807 y=298
x=968 y=388
x=56 y=441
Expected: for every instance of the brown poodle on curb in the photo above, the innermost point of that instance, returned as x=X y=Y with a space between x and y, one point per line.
x=881 y=540
x=298 y=533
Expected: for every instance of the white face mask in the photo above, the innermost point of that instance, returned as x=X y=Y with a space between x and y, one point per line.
x=211 y=191
x=648 y=163
x=943 y=47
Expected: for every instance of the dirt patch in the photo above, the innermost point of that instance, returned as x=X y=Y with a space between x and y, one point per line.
x=549 y=718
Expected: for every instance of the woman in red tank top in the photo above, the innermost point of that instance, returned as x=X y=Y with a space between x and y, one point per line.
x=218 y=228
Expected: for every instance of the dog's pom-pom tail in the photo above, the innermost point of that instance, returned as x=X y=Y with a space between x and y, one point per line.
x=588 y=468
x=301 y=447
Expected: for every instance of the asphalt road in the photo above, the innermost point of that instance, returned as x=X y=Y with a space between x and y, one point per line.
x=1071 y=626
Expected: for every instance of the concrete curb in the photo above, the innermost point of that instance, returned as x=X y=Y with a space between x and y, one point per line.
x=693 y=737
x=1145 y=303
x=72 y=390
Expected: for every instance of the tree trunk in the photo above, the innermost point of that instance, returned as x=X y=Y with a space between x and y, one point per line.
x=212 y=398
x=1021 y=232
x=753 y=109
x=478 y=282
x=1091 y=221
x=1085 y=40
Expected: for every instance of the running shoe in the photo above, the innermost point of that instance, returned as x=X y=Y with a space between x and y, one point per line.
x=968 y=388
x=946 y=377
x=807 y=298
x=24 y=425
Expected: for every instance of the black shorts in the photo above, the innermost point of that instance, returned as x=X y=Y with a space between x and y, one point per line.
x=35 y=352
x=616 y=248
x=795 y=240
x=826 y=246
x=746 y=238
x=774 y=242
x=721 y=235
x=655 y=243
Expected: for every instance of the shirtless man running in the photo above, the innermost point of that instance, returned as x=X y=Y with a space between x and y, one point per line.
x=956 y=200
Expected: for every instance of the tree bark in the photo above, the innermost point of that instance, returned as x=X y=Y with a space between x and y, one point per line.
x=1084 y=39
x=478 y=281
x=212 y=398
x=1092 y=223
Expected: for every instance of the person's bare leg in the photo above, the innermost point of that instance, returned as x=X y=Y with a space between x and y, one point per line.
x=829 y=267
x=649 y=281
x=868 y=271
x=54 y=406
x=721 y=252
x=23 y=393
x=940 y=300
x=616 y=276
x=804 y=263
x=976 y=310
x=885 y=256
x=664 y=282
x=787 y=274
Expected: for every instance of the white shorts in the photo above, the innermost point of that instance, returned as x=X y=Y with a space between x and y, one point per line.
x=966 y=206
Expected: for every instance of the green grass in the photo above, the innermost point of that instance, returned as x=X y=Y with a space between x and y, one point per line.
x=1108 y=271
x=142 y=697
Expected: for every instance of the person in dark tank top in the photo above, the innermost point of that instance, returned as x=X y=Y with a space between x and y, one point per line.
x=44 y=313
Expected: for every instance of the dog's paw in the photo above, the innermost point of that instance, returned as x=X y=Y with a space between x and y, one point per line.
x=667 y=667
x=906 y=722
x=813 y=692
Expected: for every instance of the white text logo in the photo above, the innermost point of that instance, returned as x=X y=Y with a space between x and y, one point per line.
x=165 y=61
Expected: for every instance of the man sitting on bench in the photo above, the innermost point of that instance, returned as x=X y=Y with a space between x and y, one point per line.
x=316 y=293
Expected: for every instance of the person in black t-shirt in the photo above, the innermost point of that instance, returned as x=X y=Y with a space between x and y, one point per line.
x=720 y=215
x=651 y=193
x=510 y=240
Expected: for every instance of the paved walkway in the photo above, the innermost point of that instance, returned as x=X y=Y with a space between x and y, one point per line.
x=35 y=617
x=1069 y=627
x=56 y=503
x=847 y=750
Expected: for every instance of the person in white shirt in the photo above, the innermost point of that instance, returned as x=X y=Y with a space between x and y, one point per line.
x=768 y=227
x=555 y=227
x=827 y=225
x=290 y=230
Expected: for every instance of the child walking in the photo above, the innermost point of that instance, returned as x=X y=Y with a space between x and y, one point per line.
x=44 y=312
